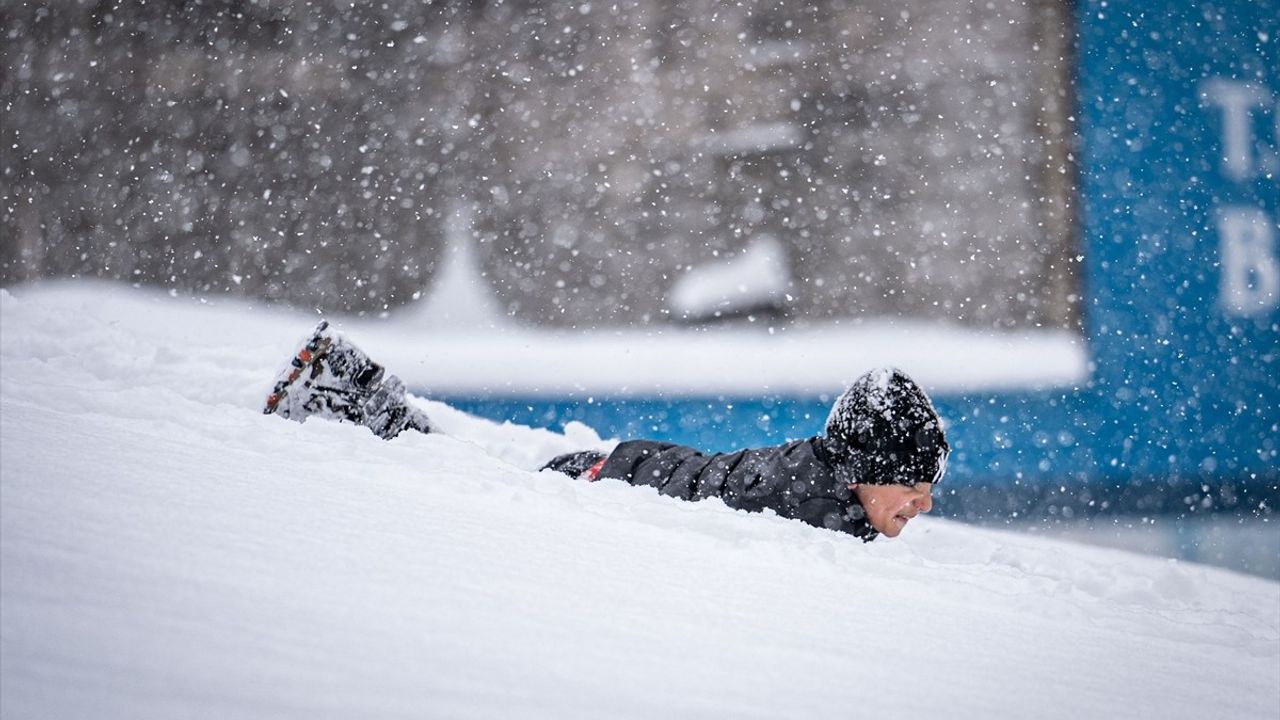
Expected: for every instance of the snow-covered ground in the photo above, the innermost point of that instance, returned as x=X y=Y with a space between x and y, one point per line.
x=167 y=551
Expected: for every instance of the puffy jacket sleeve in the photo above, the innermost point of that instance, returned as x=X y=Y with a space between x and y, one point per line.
x=794 y=480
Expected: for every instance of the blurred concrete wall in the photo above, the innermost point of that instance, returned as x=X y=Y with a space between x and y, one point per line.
x=911 y=159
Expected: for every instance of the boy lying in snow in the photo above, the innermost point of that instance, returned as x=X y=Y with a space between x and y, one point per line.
x=871 y=471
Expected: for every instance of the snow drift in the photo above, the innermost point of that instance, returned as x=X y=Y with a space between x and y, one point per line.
x=168 y=551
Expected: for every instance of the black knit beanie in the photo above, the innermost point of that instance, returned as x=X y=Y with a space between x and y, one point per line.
x=883 y=430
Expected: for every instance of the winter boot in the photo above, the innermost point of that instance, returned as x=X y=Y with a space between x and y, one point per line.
x=581 y=465
x=330 y=377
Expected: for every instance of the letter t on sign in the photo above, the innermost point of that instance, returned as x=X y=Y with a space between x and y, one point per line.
x=1237 y=100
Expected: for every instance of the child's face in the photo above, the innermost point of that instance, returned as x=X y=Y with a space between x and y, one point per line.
x=890 y=507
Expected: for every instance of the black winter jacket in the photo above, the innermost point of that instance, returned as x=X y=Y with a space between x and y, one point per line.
x=795 y=480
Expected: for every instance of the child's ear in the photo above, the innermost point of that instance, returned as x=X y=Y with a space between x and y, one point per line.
x=853 y=486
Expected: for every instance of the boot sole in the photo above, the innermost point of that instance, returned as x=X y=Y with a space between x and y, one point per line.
x=305 y=359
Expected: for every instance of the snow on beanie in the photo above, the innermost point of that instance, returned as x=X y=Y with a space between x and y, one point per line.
x=883 y=430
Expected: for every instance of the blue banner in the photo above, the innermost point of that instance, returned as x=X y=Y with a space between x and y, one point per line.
x=1179 y=191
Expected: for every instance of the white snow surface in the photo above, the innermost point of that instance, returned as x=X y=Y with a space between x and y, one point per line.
x=168 y=551
x=758 y=276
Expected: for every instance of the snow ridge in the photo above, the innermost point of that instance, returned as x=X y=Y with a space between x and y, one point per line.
x=166 y=550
